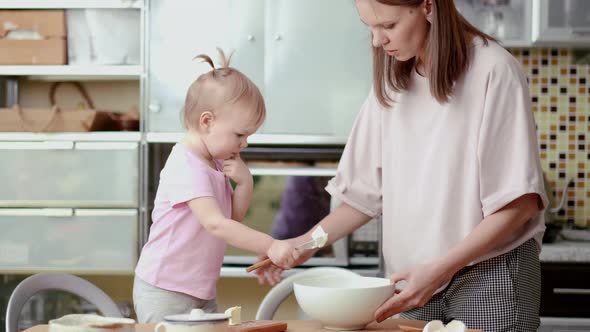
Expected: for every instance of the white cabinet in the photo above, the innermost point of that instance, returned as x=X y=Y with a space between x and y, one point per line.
x=311 y=59
x=178 y=31
x=507 y=20
x=561 y=22
x=58 y=173
x=317 y=66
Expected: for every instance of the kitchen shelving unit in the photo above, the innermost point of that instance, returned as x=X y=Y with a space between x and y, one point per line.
x=79 y=147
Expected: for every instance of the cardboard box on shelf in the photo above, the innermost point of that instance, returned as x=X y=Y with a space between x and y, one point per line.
x=32 y=37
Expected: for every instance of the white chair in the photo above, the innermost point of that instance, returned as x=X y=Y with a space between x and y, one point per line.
x=56 y=281
x=271 y=302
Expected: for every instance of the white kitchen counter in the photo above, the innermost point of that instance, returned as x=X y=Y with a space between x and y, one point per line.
x=566 y=252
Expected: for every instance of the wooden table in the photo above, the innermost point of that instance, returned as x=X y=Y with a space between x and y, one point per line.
x=390 y=325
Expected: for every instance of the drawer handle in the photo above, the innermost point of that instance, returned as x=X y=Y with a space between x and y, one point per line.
x=106 y=146
x=37 y=145
x=574 y=291
x=45 y=212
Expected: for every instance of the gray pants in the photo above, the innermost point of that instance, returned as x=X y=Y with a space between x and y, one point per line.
x=152 y=304
x=500 y=294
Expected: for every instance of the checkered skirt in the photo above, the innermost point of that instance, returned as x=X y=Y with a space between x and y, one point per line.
x=499 y=294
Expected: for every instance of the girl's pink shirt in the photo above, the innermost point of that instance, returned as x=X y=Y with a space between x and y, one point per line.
x=180 y=254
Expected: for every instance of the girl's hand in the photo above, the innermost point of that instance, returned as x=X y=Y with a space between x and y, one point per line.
x=422 y=282
x=270 y=274
x=283 y=254
x=237 y=170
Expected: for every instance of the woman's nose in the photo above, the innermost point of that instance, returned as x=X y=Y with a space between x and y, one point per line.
x=379 y=39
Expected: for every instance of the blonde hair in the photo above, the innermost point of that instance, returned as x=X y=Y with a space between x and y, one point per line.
x=447 y=53
x=219 y=87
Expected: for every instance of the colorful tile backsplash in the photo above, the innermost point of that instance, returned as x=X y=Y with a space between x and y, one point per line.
x=560 y=92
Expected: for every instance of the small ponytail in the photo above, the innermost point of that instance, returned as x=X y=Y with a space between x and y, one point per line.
x=205 y=58
x=224 y=60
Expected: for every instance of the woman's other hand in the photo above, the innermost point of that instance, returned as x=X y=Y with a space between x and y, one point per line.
x=421 y=283
x=270 y=274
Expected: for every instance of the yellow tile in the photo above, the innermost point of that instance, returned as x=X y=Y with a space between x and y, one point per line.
x=572 y=80
x=554 y=62
x=553 y=99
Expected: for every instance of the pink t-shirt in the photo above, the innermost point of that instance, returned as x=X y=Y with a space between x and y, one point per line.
x=434 y=171
x=180 y=255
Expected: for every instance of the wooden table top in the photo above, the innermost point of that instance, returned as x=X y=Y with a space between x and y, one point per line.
x=390 y=325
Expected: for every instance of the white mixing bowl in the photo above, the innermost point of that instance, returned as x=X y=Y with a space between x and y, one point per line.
x=342 y=303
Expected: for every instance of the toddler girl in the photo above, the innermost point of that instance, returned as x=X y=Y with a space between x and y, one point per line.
x=196 y=212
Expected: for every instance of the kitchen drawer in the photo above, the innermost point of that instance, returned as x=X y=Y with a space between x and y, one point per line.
x=68 y=174
x=72 y=240
x=565 y=290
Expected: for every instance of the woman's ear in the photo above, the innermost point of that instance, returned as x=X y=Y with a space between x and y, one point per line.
x=206 y=121
x=427 y=7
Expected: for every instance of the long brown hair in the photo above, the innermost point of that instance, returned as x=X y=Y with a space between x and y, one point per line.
x=446 y=53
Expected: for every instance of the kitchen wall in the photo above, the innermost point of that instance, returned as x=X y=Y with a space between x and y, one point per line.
x=560 y=90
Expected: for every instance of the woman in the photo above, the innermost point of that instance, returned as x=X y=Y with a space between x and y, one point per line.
x=445 y=149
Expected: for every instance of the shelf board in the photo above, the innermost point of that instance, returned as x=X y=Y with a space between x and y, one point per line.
x=31 y=269
x=84 y=72
x=259 y=139
x=101 y=136
x=45 y=4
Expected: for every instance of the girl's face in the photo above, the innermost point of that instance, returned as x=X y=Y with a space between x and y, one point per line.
x=400 y=30
x=225 y=134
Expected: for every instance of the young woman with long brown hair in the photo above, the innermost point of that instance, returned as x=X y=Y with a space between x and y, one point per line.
x=445 y=149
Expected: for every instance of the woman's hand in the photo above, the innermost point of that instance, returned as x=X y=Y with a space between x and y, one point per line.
x=422 y=281
x=237 y=170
